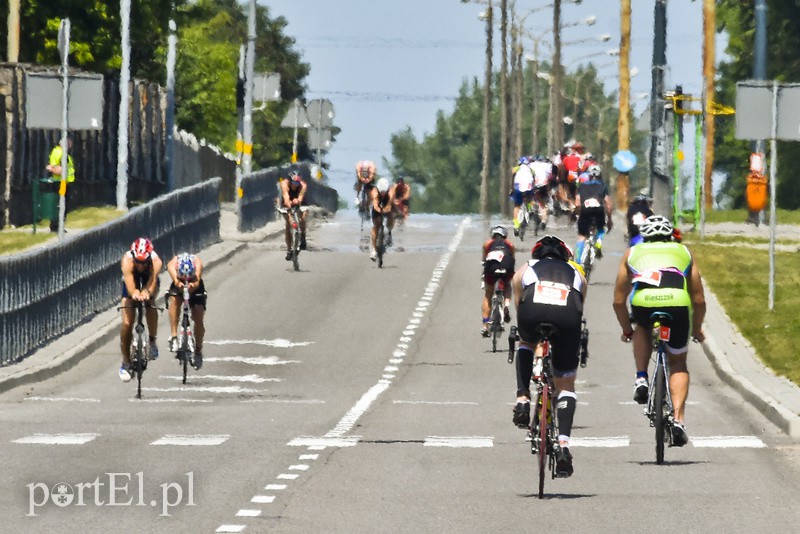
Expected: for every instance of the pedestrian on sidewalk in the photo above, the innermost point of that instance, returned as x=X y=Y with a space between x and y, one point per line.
x=54 y=167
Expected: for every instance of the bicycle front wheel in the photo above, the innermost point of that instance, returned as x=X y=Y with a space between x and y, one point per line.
x=380 y=245
x=544 y=400
x=659 y=421
x=296 y=250
x=139 y=368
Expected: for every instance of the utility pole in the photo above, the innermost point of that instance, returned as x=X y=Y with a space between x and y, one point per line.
x=659 y=175
x=250 y=60
x=709 y=73
x=556 y=102
x=487 y=124
x=13 y=31
x=169 y=123
x=505 y=167
x=535 y=101
x=124 y=100
x=623 y=123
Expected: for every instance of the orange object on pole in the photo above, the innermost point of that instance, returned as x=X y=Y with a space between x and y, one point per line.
x=756 y=191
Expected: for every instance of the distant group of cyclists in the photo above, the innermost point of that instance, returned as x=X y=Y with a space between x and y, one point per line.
x=380 y=199
x=656 y=273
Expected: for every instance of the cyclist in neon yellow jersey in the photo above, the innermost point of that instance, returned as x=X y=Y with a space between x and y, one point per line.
x=660 y=275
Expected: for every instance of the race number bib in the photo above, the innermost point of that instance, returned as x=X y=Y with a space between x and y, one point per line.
x=650 y=278
x=591 y=203
x=495 y=255
x=551 y=293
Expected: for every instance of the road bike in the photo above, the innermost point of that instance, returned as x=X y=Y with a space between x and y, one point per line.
x=496 y=315
x=659 y=401
x=184 y=352
x=380 y=239
x=543 y=430
x=294 y=219
x=589 y=252
x=140 y=350
x=527 y=213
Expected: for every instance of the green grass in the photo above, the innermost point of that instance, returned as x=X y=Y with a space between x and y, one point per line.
x=691 y=238
x=739 y=277
x=740 y=215
x=15 y=240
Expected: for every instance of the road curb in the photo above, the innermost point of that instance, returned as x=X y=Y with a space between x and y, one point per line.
x=104 y=328
x=765 y=402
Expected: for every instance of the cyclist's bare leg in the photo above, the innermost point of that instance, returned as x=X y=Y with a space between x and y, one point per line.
x=641 y=348
x=486 y=304
x=678 y=383
x=287 y=233
x=174 y=312
x=376 y=221
x=198 y=314
x=152 y=319
x=126 y=331
x=390 y=221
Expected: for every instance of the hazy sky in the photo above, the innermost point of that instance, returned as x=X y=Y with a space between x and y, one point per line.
x=388 y=64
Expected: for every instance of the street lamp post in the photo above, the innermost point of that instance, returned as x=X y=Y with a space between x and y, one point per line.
x=487 y=102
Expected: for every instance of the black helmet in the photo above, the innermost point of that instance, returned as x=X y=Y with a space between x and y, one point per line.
x=551 y=247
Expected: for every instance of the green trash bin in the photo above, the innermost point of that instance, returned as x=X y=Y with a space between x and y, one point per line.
x=45 y=200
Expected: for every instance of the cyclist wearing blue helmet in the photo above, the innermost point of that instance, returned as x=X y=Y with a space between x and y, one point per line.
x=187 y=269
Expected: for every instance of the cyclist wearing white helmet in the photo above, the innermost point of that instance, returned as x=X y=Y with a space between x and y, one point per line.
x=140 y=267
x=382 y=206
x=187 y=269
x=498 y=264
x=660 y=275
x=293 y=193
x=593 y=206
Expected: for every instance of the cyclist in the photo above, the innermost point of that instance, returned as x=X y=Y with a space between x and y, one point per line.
x=660 y=275
x=550 y=288
x=187 y=269
x=639 y=209
x=382 y=206
x=543 y=177
x=498 y=264
x=293 y=193
x=402 y=199
x=593 y=205
x=140 y=267
x=365 y=177
x=523 y=187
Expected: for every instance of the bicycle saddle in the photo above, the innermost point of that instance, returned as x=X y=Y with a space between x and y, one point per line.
x=663 y=318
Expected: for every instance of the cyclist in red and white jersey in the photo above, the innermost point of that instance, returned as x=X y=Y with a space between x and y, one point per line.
x=498 y=264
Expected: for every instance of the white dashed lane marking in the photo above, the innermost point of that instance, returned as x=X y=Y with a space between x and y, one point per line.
x=250 y=360
x=57 y=439
x=472 y=442
x=279 y=343
x=254 y=379
x=727 y=442
x=611 y=442
x=192 y=440
x=230 y=528
x=248 y=513
x=60 y=399
x=206 y=389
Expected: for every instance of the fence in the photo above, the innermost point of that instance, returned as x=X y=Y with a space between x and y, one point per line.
x=24 y=153
x=47 y=292
x=260 y=191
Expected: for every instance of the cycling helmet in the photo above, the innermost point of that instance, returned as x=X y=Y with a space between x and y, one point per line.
x=641 y=199
x=382 y=185
x=551 y=247
x=655 y=226
x=500 y=230
x=524 y=160
x=141 y=249
x=186 y=268
x=595 y=171
x=295 y=177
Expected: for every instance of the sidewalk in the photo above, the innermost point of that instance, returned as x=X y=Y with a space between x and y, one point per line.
x=731 y=355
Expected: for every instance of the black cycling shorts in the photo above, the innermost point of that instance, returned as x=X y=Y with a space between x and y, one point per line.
x=198 y=298
x=591 y=217
x=679 y=330
x=493 y=270
x=566 y=343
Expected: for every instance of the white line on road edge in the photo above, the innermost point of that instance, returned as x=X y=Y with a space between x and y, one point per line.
x=442 y=403
x=208 y=389
x=610 y=442
x=472 y=442
x=252 y=360
x=57 y=439
x=170 y=400
x=726 y=442
x=279 y=343
x=192 y=440
x=60 y=399
x=255 y=379
x=324 y=442
x=285 y=401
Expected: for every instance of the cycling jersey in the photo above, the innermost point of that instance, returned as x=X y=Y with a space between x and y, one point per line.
x=659 y=276
x=592 y=209
x=140 y=277
x=542 y=173
x=523 y=178
x=500 y=262
x=294 y=192
x=551 y=293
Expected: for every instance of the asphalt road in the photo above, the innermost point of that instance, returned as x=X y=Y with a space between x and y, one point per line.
x=347 y=398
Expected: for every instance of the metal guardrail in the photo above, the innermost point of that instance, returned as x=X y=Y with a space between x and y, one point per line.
x=260 y=191
x=47 y=292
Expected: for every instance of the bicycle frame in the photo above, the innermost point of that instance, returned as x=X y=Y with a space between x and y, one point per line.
x=139 y=354
x=380 y=240
x=294 y=220
x=659 y=401
x=587 y=258
x=186 y=344
x=496 y=314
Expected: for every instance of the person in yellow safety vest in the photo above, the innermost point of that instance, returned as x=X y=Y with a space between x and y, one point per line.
x=54 y=167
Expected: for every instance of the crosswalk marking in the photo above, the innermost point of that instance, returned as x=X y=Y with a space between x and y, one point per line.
x=206 y=389
x=275 y=487
x=324 y=442
x=230 y=528
x=613 y=442
x=725 y=442
x=262 y=499
x=192 y=440
x=248 y=513
x=459 y=441
x=57 y=439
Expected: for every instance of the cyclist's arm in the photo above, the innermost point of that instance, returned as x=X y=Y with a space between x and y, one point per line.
x=152 y=283
x=622 y=289
x=516 y=285
x=198 y=276
x=127 y=276
x=697 y=294
x=609 y=210
x=375 y=204
x=172 y=269
x=389 y=201
x=287 y=203
x=302 y=194
x=578 y=203
x=485 y=249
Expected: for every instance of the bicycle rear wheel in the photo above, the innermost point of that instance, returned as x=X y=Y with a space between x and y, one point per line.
x=588 y=251
x=659 y=421
x=544 y=400
x=380 y=245
x=495 y=324
x=138 y=368
x=296 y=250
x=537 y=221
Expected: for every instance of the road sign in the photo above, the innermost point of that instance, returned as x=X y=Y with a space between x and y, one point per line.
x=319 y=139
x=267 y=87
x=296 y=116
x=320 y=113
x=624 y=161
x=754 y=110
x=44 y=101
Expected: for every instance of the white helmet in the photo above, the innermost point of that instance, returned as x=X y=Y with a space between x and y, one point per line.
x=382 y=185
x=500 y=230
x=595 y=171
x=655 y=225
